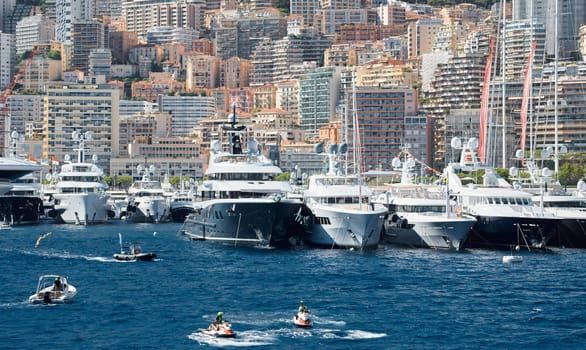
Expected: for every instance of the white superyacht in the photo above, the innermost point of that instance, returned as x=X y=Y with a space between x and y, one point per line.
x=421 y=215
x=80 y=195
x=146 y=198
x=342 y=215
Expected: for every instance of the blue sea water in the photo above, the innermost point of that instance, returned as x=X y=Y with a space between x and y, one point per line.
x=387 y=298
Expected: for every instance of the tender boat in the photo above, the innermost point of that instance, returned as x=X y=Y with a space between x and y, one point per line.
x=303 y=319
x=508 y=259
x=133 y=252
x=223 y=330
x=53 y=289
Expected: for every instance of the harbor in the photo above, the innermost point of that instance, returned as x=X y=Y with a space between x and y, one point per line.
x=386 y=298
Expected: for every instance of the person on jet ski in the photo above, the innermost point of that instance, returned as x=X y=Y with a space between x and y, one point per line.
x=302 y=307
x=219 y=319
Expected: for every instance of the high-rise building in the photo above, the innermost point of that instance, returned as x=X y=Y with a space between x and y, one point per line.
x=85 y=36
x=142 y=15
x=32 y=30
x=82 y=108
x=6 y=8
x=306 y=9
x=7 y=58
x=381 y=115
x=571 y=14
x=319 y=97
x=69 y=12
x=186 y=112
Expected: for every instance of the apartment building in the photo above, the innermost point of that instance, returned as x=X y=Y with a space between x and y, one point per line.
x=319 y=96
x=142 y=15
x=85 y=37
x=186 y=112
x=82 y=108
x=32 y=30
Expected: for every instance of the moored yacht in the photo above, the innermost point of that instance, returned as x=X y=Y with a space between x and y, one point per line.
x=421 y=215
x=80 y=193
x=342 y=215
x=571 y=208
x=241 y=202
x=146 y=198
x=502 y=212
x=23 y=203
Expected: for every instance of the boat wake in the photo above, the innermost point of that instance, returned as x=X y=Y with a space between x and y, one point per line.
x=15 y=305
x=242 y=339
x=352 y=334
x=65 y=255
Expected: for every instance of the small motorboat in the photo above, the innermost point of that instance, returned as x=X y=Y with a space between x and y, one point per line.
x=303 y=319
x=509 y=259
x=133 y=252
x=223 y=330
x=53 y=289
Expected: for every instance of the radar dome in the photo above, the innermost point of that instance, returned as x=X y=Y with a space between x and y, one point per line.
x=396 y=163
x=519 y=153
x=456 y=143
x=513 y=171
x=343 y=148
x=473 y=143
x=318 y=148
x=545 y=172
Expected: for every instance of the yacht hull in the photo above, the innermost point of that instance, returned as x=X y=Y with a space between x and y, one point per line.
x=81 y=208
x=21 y=210
x=149 y=210
x=572 y=234
x=241 y=221
x=335 y=227
x=427 y=231
x=494 y=232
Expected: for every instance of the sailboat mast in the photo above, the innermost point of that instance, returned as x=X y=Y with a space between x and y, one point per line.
x=555 y=93
x=504 y=123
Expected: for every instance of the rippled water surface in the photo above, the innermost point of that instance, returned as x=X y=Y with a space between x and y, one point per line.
x=384 y=299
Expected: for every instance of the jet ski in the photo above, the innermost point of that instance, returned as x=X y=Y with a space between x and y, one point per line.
x=223 y=330
x=303 y=319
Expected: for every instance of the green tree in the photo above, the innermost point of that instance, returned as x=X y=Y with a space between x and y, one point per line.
x=124 y=181
x=283 y=176
x=569 y=174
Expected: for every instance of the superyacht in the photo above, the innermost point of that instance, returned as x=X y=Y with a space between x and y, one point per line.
x=241 y=202
x=80 y=195
x=503 y=213
x=421 y=215
x=342 y=215
x=146 y=198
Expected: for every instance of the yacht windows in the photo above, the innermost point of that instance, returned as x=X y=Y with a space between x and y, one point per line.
x=322 y=220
